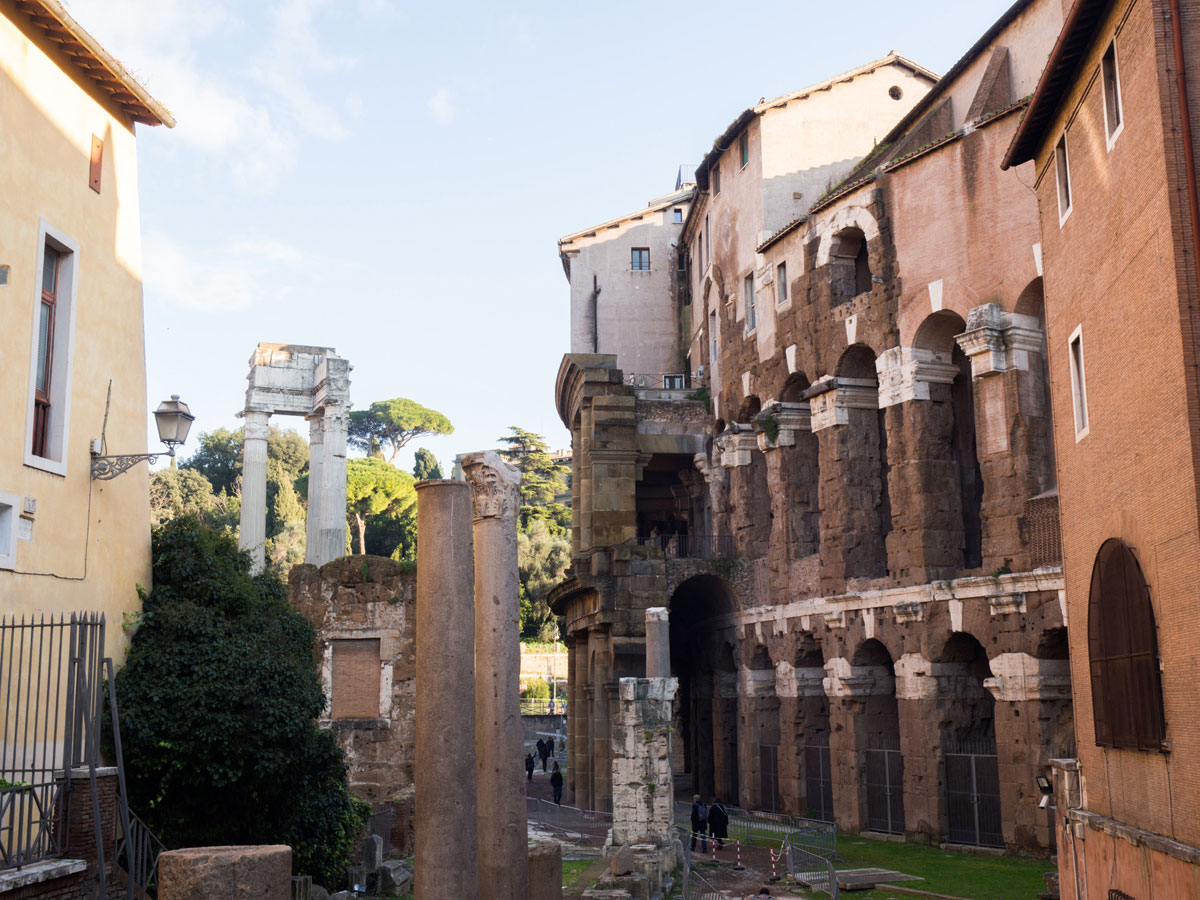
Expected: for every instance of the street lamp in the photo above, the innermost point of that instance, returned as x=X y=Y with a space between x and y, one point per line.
x=173 y=419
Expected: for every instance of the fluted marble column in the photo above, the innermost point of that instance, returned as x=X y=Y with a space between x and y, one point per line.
x=316 y=457
x=252 y=532
x=331 y=522
x=444 y=765
x=503 y=854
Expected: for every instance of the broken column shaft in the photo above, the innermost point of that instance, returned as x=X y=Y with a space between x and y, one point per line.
x=444 y=766
x=658 y=642
x=503 y=854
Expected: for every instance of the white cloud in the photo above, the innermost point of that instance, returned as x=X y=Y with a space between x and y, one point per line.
x=233 y=277
x=440 y=106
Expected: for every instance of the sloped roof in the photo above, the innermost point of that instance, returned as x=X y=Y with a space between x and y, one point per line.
x=94 y=62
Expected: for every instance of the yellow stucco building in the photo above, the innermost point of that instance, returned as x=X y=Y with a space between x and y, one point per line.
x=72 y=353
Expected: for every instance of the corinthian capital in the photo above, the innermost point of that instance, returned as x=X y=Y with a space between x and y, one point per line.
x=495 y=485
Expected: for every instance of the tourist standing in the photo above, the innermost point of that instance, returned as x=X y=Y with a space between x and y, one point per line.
x=556 y=782
x=718 y=822
x=699 y=823
x=529 y=764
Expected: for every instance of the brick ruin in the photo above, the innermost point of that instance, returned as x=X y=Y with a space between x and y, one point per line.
x=850 y=508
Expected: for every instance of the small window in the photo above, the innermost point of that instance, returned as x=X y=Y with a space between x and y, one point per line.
x=1112 y=92
x=716 y=176
x=712 y=338
x=356 y=679
x=1127 y=705
x=781 y=286
x=748 y=293
x=707 y=241
x=677 y=216
x=744 y=147
x=1078 y=384
x=673 y=382
x=640 y=259
x=1063 y=170
x=9 y=505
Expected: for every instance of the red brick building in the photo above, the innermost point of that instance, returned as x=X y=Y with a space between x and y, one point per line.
x=1109 y=131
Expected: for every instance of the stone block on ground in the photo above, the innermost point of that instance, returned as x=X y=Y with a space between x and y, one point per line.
x=252 y=872
x=636 y=886
x=545 y=870
x=622 y=861
x=318 y=893
x=301 y=887
x=595 y=894
x=372 y=852
x=395 y=879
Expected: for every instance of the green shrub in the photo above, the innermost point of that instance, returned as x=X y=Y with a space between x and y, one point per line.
x=219 y=699
x=536 y=689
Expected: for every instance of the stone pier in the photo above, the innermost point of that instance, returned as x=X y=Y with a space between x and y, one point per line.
x=643 y=790
x=503 y=865
x=658 y=642
x=446 y=829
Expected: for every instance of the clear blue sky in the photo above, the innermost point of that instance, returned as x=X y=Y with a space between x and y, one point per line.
x=391 y=178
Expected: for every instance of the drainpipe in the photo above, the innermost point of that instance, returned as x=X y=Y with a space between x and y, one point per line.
x=596 y=313
x=1189 y=155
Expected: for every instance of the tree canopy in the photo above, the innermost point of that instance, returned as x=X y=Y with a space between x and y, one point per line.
x=393 y=423
x=374 y=487
x=426 y=466
x=219 y=698
x=542 y=479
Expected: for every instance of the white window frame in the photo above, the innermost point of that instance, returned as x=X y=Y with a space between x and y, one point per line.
x=1078 y=384
x=677 y=216
x=750 y=303
x=1062 y=175
x=781 y=289
x=1111 y=134
x=10 y=510
x=59 y=426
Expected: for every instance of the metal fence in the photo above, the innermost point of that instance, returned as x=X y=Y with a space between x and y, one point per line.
x=51 y=691
x=814 y=871
x=692 y=546
x=771 y=829
x=581 y=826
x=543 y=707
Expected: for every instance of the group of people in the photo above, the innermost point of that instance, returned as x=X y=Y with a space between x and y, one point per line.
x=712 y=819
x=545 y=749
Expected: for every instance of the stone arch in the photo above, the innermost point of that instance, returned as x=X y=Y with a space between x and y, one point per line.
x=706 y=702
x=759 y=726
x=751 y=406
x=849 y=266
x=878 y=738
x=846 y=217
x=793 y=389
x=1029 y=315
x=857 y=361
x=963 y=667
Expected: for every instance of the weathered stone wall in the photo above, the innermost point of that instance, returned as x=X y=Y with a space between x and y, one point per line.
x=367 y=597
x=643 y=791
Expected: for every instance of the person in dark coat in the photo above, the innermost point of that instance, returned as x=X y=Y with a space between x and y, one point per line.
x=699 y=823
x=529 y=764
x=556 y=782
x=544 y=753
x=718 y=822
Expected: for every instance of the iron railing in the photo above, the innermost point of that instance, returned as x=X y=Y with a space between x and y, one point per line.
x=543 y=707
x=138 y=850
x=50 y=688
x=580 y=826
x=814 y=871
x=692 y=546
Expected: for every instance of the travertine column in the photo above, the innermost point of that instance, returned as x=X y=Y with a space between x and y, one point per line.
x=444 y=768
x=252 y=534
x=503 y=854
x=316 y=456
x=331 y=528
x=658 y=642
x=573 y=688
x=601 y=648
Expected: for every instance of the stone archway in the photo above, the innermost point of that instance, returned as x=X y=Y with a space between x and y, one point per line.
x=296 y=380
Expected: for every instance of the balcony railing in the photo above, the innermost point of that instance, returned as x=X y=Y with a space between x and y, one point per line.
x=692 y=546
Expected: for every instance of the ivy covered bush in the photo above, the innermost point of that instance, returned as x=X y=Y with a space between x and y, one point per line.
x=218 y=701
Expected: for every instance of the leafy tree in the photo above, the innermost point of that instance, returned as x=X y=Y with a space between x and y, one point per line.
x=179 y=492
x=219 y=699
x=542 y=560
x=373 y=487
x=426 y=466
x=392 y=424
x=218 y=458
x=542 y=479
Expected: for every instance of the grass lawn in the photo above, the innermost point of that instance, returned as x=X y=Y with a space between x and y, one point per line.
x=572 y=869
x=951 y=872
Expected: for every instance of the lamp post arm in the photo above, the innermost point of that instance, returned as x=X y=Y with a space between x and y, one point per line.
x=105 y=468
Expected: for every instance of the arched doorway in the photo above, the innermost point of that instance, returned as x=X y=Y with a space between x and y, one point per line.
x=706 y=704
x=761 y=702
x=879 y=736
x=972 y=778
x=812 y=732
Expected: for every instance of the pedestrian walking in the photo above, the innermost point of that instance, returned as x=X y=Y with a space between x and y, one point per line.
x=556 y=782
x=718 y=822
x=544 y=753
x=699 y=823
x=529 y=764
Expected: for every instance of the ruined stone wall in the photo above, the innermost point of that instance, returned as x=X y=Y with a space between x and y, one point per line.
x=371 y=599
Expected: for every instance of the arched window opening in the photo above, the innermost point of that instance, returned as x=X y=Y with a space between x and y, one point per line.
x=794 y=388
x=970 y=476
x=1127 y=703
x=849 y=266
x=857 y=368
x=1030 y=312
x=750 y=407
x=878 y=740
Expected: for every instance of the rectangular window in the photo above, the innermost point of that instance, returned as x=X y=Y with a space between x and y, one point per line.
x=744 y=147
x=677 y=216
x=781 y=287
x=673 y=382
x=707 y=241
x=1063 y=170
x=716 y=176
x=9 y=509
x=355 y=682
x=1112 y=93
x=1078 y=384
x=712 y=341
x=748 y=293
x=639 y=259
x=48 y=413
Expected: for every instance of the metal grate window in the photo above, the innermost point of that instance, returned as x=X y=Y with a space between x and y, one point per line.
x=1127 y=701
